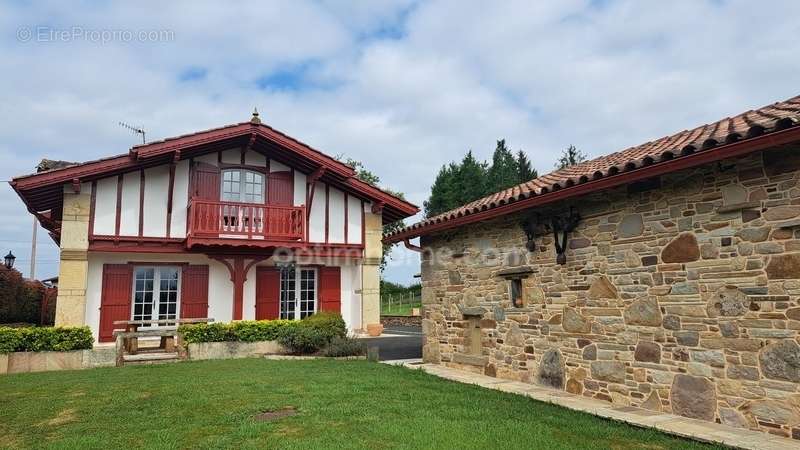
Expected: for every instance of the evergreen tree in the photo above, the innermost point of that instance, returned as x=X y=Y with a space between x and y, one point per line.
x=442 y=191
x=525 y=171
x=570 y=157
x=470 y=181
x=504 y=171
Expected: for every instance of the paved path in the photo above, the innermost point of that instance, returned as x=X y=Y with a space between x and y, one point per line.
x=398 y=343
x=668 y=423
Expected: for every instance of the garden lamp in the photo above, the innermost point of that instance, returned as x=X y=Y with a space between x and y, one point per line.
x=9 y=260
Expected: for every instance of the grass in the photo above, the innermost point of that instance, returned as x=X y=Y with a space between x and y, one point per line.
x=340 y=404
x=397 y=309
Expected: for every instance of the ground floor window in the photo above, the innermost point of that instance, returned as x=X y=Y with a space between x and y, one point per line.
x=298 y=292
x=155 y=293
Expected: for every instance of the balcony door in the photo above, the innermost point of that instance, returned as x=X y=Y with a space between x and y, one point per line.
x=243 y=186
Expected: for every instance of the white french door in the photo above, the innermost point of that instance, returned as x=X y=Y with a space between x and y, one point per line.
x=298 y=292
x=155 y=293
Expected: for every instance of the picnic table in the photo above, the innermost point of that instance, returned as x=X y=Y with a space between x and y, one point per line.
x=128 y=338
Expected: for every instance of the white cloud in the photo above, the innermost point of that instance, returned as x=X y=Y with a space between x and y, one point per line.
x=402 y=86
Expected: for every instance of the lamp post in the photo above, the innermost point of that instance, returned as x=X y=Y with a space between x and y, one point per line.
x=9 y=259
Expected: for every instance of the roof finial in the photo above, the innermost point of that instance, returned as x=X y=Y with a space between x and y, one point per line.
x=255 y=118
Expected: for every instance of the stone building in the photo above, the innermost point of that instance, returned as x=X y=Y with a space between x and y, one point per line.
x=664 y=276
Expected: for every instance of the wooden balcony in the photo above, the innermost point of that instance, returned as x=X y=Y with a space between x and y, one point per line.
x=221 y=223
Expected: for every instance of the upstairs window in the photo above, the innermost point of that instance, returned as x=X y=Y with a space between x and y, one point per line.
x=242 y=185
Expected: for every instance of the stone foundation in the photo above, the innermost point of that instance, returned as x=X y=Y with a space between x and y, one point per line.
x=24 y=362
x=678 y=295
x=231 y=350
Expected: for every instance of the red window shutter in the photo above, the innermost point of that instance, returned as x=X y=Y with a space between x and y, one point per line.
x=268 y=293
x=194 y=292
x=330 y=289
x=281 y=188
x=115 y=298
x=206 y=181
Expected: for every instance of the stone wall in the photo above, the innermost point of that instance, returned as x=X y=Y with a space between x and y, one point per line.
x=678 y=295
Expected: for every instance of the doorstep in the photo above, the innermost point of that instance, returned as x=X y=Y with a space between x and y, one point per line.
x=698 y=430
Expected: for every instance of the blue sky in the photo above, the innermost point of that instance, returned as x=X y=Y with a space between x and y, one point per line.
x=403 y=86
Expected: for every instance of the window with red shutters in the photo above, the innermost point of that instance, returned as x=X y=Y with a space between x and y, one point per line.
x=194 y=292
x=115 y=298
x=330 y=289
x=268 y=292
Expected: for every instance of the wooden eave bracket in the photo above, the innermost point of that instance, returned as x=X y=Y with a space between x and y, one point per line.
x=76 y=185
x=377 y=207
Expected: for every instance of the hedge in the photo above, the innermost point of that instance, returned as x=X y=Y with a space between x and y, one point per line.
x=305 y=336
x=45 y=339
x=244 y=331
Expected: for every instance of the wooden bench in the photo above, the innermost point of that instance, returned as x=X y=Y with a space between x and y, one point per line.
x=127 y=339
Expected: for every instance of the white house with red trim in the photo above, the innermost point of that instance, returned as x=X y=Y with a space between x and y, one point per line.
x=240 y=222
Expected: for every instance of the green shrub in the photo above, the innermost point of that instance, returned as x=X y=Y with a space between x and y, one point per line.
x=303 y=340
x=344 y=346
x=206 y=332
x=261 y=330
x=43 y=339
x=306 y=336
x=330 y=324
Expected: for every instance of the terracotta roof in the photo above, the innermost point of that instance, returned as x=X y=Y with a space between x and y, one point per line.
x=41 y=191
x=707 y=138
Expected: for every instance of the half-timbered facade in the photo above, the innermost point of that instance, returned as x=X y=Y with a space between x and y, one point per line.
x=238 y=222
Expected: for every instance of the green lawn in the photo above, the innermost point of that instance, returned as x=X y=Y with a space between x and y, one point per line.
x=398 y=310
x=341 y=404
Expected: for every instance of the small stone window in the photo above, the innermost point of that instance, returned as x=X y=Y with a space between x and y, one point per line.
x=516 y=293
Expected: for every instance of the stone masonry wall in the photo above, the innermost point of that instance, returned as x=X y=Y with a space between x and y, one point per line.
x=681 y=296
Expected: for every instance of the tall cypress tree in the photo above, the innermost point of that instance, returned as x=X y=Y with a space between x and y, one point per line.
x=503 y=173
x=525 y=170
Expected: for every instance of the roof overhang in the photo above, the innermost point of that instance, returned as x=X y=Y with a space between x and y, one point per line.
x=733 y=150
x=42 y=192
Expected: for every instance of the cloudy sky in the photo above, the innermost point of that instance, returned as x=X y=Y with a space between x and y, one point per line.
x=402 y=86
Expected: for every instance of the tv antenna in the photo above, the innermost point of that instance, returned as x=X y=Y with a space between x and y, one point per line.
x=136 y=130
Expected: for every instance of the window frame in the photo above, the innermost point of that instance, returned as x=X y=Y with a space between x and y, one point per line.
x=298 y=312
x=156 y=291
x=519 y=300
x=242 y=182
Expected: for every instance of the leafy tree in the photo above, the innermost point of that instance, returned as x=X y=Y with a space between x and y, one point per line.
x=504 y=171
x=525 y=170
x=570 y=157
x=363 y=174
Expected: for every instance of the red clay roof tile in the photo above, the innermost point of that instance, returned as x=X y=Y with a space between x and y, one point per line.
x=750 y=124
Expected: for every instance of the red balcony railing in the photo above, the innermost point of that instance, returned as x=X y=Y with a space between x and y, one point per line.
x=246 y=221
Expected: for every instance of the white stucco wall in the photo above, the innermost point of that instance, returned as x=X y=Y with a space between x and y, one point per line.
x=156 y=188
x=351 y=296
x=300 y=181
x=253 y=158
x=105 y=212
x=220 y=288
x=316 y=222
x=180 y=200
x=335 y=216
x=129 y=212
x=353 y=220
x=275 y=166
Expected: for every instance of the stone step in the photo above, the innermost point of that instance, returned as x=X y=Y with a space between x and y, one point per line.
x=150 y=358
